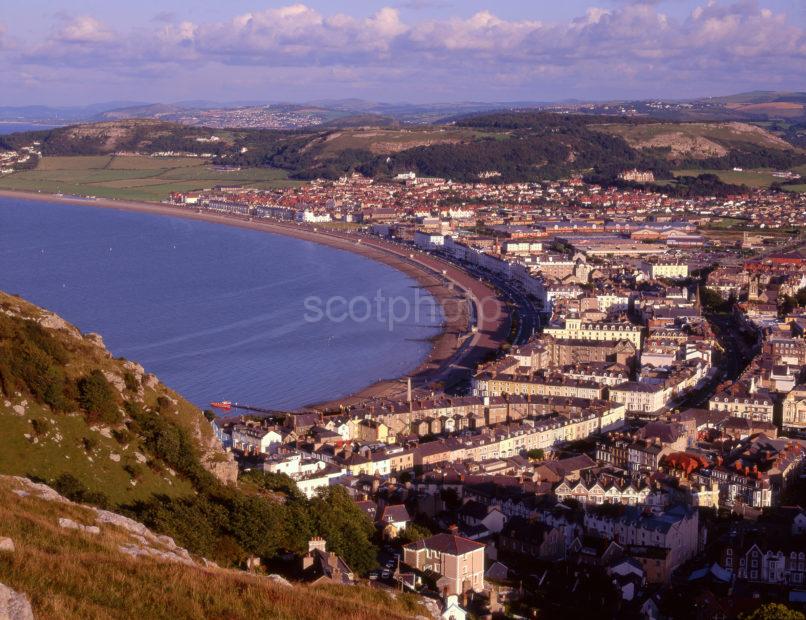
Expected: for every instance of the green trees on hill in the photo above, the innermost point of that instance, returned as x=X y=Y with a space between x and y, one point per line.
x=265 y=516
x=98 y=400
x=229 y=524
x=347 y=530
x=31 y=361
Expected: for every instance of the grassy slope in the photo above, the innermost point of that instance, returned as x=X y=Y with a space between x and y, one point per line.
x=750 y=178
x=68 y=575
x=133 y=178
x=38 y=442
x=383 y=141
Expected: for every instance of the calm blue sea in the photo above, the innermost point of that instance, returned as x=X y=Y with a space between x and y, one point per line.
x=216 y=312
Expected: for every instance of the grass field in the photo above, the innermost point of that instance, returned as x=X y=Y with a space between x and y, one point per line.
x=135 y=177
x=750 y=178
x=758 y=178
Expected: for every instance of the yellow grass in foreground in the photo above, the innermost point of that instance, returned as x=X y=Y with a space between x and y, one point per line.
x=68 y=574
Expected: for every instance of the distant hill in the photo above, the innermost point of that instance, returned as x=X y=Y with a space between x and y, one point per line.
x=519 y=145
x=151 y=111
x=130 y=135
x=761 y=96
x=684 y=142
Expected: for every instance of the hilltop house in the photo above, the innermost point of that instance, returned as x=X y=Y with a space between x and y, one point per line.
x=458 y=561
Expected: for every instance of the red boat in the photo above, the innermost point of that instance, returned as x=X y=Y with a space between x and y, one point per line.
x=224 y=404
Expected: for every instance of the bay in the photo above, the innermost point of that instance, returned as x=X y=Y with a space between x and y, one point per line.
x=216 y=312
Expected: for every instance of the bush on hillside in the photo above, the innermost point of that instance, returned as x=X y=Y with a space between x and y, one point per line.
x=31 y=361
x=97 y=398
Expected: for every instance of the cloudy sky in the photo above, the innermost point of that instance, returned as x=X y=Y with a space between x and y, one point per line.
x=85 y=51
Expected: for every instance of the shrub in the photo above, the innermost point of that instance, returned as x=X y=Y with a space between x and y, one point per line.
x=73 y=489
x=122 y=436
x=40 y=426
x=132 y=384
x=134 y=470
x=98 y=400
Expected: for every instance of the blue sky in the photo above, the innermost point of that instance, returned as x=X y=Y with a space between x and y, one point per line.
x=84 y=51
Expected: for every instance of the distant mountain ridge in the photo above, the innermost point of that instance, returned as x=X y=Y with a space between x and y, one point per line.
x=769 y=105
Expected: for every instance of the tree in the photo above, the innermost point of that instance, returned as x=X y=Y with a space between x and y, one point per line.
x=712 y=300
x=536 y=454
x=346 y=528
x=413 y=533
x=97 y=398
x=270 y=481
x=774 y=611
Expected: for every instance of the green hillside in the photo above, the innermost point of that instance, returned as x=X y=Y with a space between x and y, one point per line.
x=101 y=431
x=121 y=570
x=66 y=411
x=519 y=145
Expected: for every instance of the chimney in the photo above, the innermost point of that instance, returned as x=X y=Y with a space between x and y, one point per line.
x=317 y=542
x=408 y=392
x=453 y=529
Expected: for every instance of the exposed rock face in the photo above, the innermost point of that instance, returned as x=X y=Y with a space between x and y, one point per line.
x=225 y=471
x=72 y=525
x=98 y=340
x=143 y=542
x=54 y=321
x=116 y=380
x=13 y=605
x=6 y=544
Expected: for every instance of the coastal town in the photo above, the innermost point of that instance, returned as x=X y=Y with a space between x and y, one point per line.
x=626 y=431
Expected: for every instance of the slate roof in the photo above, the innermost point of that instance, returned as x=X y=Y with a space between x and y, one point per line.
x=446 y=543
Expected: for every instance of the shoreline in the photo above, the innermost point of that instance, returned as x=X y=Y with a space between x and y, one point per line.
x=454 y=352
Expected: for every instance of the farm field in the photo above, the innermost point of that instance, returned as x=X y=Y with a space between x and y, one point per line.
x=750 y=178
x=135 y=177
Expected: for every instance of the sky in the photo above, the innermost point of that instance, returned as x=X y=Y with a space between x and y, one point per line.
x=77 y=52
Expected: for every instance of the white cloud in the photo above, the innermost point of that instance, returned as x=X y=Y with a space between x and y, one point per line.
x=629 y=42
x=84 y=29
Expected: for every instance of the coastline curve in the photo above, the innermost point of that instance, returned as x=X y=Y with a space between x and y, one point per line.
x=467 y=337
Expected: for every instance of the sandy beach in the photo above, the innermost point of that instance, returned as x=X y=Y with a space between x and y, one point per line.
x=455 y=351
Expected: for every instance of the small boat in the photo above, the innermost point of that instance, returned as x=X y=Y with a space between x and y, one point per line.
x=224 y=404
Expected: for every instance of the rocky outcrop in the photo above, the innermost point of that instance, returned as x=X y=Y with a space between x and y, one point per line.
x=142 y=541
x=14 y=605
x=69 y=524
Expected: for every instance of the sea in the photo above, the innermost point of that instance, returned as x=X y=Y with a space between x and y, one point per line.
x=218 y=312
